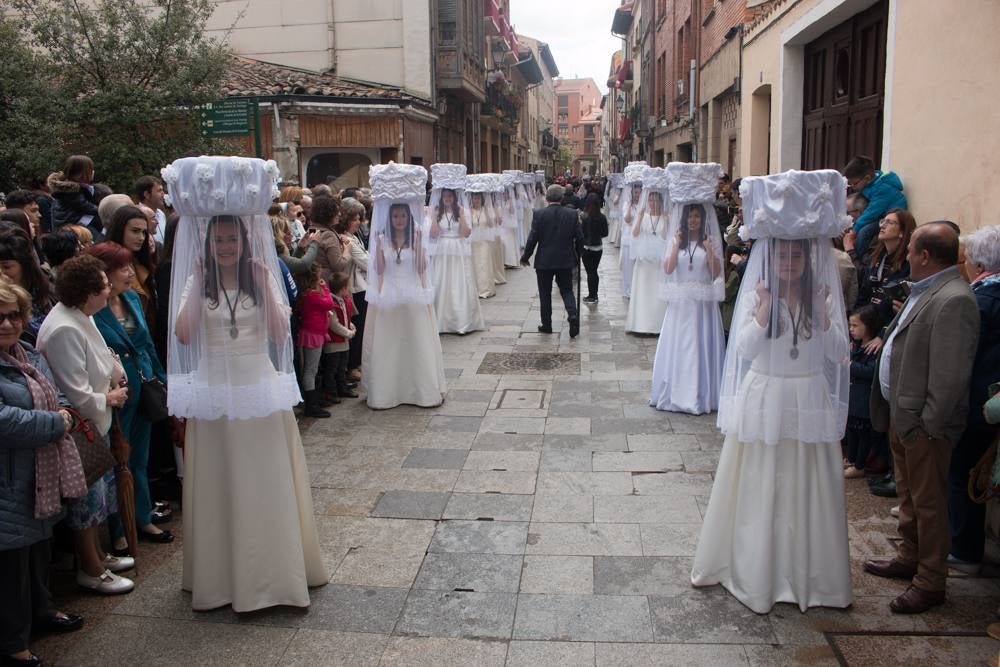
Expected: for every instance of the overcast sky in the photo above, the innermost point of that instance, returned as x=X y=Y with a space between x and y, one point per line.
x=577 y=31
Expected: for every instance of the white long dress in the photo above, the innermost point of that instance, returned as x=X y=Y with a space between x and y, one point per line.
x=456 y=296
x=511 y=254
x=482 y=253
x=625 y=260
x=687 y=369
x=249 y=534
x=776 y=525
x=645 y=307
x=401 y=359
x=499 y=273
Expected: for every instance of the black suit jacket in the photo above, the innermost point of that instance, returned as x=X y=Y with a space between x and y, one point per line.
x=559 y=236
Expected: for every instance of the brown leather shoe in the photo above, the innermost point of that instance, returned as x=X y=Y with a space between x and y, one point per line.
x=916 y=601
x=890 y=569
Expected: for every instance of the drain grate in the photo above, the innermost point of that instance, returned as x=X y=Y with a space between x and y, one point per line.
x=530 y=363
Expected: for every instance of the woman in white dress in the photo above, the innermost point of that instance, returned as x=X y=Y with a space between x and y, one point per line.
x=483 y=233
x=776 y=525
x=456 y=300
x=250 y=538
x=401 y=361
x=648 y=249
x=613 y=208
x=630 y=205
x=687 y=369
x=511 y=212
x=497 y=205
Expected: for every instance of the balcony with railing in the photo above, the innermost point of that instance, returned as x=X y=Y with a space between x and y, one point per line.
x=459 y=54
x=502 y=105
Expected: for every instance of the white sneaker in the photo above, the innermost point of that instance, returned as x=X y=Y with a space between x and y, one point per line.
x=894 y=511
x=118 y=563
x=963 y=565
x=106 y=583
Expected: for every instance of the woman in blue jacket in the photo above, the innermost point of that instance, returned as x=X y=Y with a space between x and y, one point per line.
x=124 y=329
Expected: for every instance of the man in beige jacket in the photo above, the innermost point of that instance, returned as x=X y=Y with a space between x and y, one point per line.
x=920 y=396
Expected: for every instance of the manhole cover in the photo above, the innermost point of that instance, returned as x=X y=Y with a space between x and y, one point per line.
x=522 y=399
x=530 y=363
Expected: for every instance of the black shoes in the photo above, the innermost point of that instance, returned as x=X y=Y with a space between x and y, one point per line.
x=163 y=537
x=590 y=299
x=313 y=408
x=574 y=327
x=60 y=624
x=884 y=487
x=8 y=661
x=544 y=329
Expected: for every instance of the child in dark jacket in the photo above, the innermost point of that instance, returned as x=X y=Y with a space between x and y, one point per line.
x=863 y=325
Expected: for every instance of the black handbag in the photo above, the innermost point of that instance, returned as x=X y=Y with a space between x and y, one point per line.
x=152 y=398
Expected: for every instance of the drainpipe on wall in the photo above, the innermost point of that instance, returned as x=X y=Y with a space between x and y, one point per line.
x=401 y=157
x=691 y=111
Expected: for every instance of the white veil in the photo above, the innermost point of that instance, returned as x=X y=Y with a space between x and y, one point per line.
x=787 y=368
x=398 y=271
x=694 y=267
x=508 y=201
x=448 y=222
x=229 y=347
x=651 y=245
x=479 y=212
x=631 y=199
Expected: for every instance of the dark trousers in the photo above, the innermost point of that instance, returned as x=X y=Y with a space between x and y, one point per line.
x=966 y=518
x=360 y=310
x=24 y=590
x=335 y=372
x=860 y=440
x=865 y=238
x=591 y=258
x=564 y=280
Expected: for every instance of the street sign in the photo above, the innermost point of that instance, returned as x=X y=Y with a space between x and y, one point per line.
x=229 y=117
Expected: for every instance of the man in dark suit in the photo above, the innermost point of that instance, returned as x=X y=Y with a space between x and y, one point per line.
x=557 y=233
x=920 y=395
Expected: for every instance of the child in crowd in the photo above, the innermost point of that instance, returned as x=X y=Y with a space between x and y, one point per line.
x=881 y=189
x=341 y=331
x=863 y=325
x=314 y=303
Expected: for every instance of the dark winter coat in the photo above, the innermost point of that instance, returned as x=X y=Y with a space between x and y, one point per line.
x=873 y=287
x=862 y=373
x=986 y=367
x=72 y=202
x=595 y=228
x=22 y=430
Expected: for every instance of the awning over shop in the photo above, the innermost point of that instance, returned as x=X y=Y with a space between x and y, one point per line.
x=529 y=68
x=622 y=21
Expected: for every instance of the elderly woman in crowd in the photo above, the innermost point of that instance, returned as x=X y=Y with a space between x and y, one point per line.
x=349 y=228
x=32 y=426
x=124 y=329
x=20 y=264
x=94 y=383
x=968 y=518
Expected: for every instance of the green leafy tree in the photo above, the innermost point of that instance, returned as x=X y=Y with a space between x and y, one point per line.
x=565 y=157
x=119 y=81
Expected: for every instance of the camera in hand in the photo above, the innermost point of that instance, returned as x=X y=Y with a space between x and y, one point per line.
x=897 y=290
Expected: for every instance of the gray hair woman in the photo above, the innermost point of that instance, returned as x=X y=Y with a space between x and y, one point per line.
x=93 y=381
x=32 y=430
x=353 y=214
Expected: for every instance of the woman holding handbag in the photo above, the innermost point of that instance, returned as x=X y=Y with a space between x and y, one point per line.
x=94 y=383
x=33 y=429
x=123 y=326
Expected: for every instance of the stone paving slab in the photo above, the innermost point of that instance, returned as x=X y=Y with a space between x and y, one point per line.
x=479 y=573
x=641 y=576
x=560 y=575
x=458 y=614
x=449 y=459
x=712 y=617
x=655 y=655
x=605 y=618
x=435 y=652
x=489 y=537
x=646 y=509
x=338 y=649
x=564 y=654
x=581 y=539
x=495 y=506
x=411 y=505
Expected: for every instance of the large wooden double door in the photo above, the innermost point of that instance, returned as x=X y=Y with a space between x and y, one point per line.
x=844 y=91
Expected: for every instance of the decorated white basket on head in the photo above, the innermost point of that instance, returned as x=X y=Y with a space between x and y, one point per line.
x=794 y=205
x=633 y=172
x=399 y=273
x=694 y=228
x=650 y=245
x=209 y=185
x=447 y=223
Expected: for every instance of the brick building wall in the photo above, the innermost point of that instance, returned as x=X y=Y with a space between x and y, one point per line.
x=718 y=16
x=582 y=97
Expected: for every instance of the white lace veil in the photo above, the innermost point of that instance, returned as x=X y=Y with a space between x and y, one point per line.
x=447 y=216
x=479 y=212
x=651 y=220
x=631 y=198
x=397 y=271
x=508 y=201
x=694 y=267
x=229 y=349
x=787 y=370
x=612 y=196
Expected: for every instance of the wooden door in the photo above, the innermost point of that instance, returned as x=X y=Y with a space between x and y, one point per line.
x=844 y=89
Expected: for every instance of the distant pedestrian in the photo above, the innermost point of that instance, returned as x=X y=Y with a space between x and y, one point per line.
x=595 y=229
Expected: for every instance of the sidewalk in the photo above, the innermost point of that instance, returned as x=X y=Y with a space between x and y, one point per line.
x=544 y=515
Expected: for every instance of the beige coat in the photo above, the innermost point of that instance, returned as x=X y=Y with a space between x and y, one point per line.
x=330 y=259
x=81 y=362
x=931 y=364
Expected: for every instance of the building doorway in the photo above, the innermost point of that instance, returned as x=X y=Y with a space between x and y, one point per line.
x=343 y=169
x=844 y=91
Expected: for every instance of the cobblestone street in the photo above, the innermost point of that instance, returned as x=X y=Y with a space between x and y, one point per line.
x=544 y=515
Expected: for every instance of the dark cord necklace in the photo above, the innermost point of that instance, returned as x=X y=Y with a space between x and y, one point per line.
x=798 y=318
x=234 y=331
x=690 y=254
x=655 y=224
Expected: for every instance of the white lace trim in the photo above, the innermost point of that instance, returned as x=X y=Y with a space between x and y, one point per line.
x=693 y=291
x=192 y=397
